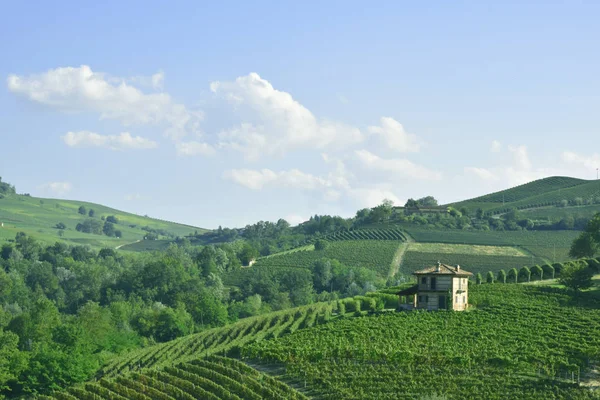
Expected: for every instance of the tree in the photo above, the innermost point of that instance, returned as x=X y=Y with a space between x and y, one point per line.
x=60 y=225
x=428 y=201
x=513 y=274
x=382 y=212
x=478 y=278
x=108 y=229
x=247 y=254
x=536 y=270
x=82 y=210
x=577 y=276
x=112 y=219
x=479 y=214
x=525 y=273
x=548 y=271
x=490 y=277
x=321 y=245
x=91 y=213
x=583 y=246
x=322 y=275
x=501 y=276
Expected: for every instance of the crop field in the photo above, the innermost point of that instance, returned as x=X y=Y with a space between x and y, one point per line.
x=522 y=342
x=37 y=217
x=447 y=248
x=415 y=260
x=212 y=378
x=555 y=213
x=549 y=245
x=368 y=234
x=376 y=255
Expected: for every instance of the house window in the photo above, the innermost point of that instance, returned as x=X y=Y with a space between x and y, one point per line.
x=420 y=299
x=460 y=284
x=424 y=280
x=426 y=299
x=433 y=283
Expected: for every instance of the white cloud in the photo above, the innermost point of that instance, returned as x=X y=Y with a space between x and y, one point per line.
x=259 y=179
x=591 y=162
x=123 y=141
x=158 y=80
x=57 y=188
x=295 y=219
x=397 y=166
x=134 y=197
x=496 y=146
x=79 y=89
x=194 y=148
x=520 y=157
x=482 y=173
x=281 y=123
x=343 y=99
x=393 y=135
x=371 y=197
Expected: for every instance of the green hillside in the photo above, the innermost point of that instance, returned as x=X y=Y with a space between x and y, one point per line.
x=38 y=218
x=542 y=192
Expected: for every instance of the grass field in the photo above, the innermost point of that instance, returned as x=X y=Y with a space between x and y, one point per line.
x=37 y=217
x=445 y=248
x=554 y=213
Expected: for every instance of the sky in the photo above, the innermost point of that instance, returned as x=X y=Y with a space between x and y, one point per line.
x=227 y=113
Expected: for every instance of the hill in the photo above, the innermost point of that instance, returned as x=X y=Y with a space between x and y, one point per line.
x=39 y=217
x=539 y=193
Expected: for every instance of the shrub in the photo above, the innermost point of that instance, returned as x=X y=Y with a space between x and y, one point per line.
x=558 y=267
x=490 y=277
x=321 y=245
x=536 y=270
x=577 y=276
x=513 y=275
x=478 y=278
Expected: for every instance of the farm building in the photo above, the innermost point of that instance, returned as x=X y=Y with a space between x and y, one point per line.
x=441 y=287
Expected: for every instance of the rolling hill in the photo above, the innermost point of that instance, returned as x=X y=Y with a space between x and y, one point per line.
x=38 y=217
x=543 y=192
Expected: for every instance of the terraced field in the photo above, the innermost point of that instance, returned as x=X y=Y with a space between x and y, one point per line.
x=211 y=378
x=522 y=342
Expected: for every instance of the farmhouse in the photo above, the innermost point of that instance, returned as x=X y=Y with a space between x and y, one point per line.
x=441 y=287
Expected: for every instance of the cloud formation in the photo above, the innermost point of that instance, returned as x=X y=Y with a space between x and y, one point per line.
x=56 y=188
x=392 y=134
x=194 y=148
x=259 y=179
x=280 y=123
x=396 y=167
x=79 y=89
x=123 y=141
x=591 y=162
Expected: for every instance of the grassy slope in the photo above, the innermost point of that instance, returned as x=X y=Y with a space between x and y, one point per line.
x=553 y=189
x=37 y=217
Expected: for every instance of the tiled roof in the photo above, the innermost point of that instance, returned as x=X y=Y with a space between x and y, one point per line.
x=443 y=269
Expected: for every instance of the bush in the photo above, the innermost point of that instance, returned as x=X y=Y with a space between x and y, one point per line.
x=577 y=276
x=525 y=274
x=490 y=277
x=537 y=271
x=366 y=303
x=558 y=267
x=478 y=278
x=513 y=275
x=60 y=225
x=82 y=210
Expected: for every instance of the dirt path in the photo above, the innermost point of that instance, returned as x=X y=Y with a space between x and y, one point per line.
x=121 y=245
x=399 y=256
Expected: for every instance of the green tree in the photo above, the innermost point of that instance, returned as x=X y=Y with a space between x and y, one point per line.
x=548 y=271
x=478 y=278
x=60 y=225
x=321 y=245
x=577 y=276
x=82 y=210
x=584 y=246
x=479 y=214
x=108 y=229
x=501 y=276
x=525 y=274
x=513 y=275
x=91 y=213
x=538 y=272
x=490 y=277
x=247 y=254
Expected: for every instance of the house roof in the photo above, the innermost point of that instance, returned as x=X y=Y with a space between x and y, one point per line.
x=408 y=291
x=443 y=269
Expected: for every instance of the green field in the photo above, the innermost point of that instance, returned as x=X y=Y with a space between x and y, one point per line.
x=547 y=191
x=213 y=378
x=376 y=255
x=556 y=213
x=37 y=217
x=522 y=342
x=549 y=245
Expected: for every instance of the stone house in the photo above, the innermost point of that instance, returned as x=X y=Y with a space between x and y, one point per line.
x=441 y=287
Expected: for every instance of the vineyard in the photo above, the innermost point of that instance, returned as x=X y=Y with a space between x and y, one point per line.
x=211 y=378
x=522 y=342
x=549 y=245
x=376 y=255
x=367 y=234
x=415 y=260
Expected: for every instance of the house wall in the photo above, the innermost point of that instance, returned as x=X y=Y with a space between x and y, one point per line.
x=442 y=282
x=460 y=301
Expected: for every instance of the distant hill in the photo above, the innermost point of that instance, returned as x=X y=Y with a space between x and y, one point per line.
x=39 y=217
x=550 y=191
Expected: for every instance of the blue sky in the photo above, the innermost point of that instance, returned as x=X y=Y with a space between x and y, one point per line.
x=226 y=113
